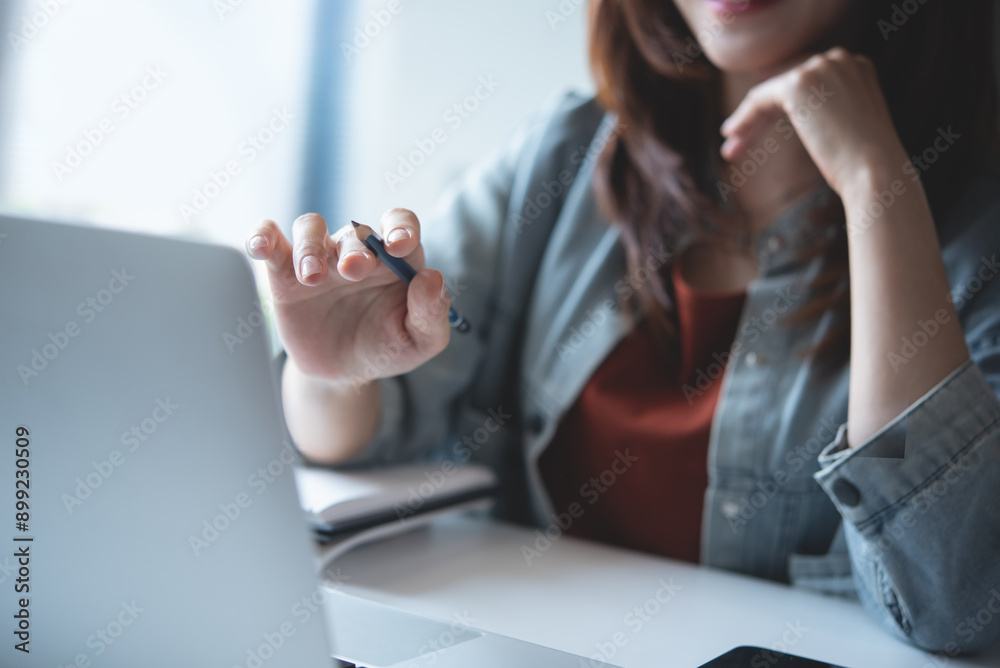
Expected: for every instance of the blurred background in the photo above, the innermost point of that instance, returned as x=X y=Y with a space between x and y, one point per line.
x=201 y=118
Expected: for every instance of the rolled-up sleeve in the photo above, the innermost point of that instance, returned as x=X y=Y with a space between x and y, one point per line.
x=921 y=508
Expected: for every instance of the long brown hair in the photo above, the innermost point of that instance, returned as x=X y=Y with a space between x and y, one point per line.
x=655 y=178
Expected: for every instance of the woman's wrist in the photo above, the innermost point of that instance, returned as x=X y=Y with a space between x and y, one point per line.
x=329 y=420
x=327 y=385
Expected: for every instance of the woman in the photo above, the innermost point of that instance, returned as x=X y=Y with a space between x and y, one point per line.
x=665 y=352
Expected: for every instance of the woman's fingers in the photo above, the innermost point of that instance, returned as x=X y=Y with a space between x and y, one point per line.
x=309 y=249
x=354 y=261
x=314 y=264
x=267 y=243
x=313 y=256
x=400 y=231
x=761 y=104
x=427 y=304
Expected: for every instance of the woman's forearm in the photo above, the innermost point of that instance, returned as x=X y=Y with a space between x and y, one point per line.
x=905 y=334
x=328 y=422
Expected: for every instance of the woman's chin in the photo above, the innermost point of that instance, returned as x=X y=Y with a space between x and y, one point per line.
x=742 y=58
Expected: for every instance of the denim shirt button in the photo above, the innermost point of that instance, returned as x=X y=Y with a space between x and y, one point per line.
x=774 y=243
x=846 y=493
x=730 y=509
x=751 y=359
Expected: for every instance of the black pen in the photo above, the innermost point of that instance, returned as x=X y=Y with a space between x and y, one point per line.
x=401 y=268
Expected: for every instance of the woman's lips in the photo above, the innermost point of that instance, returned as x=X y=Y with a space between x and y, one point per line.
x=739 y=6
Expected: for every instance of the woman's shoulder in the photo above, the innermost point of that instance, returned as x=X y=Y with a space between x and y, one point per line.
x=554 y=137
x=561 y=131
x=570 y=112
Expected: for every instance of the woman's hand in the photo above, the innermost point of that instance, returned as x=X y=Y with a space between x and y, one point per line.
x=836 y=106
x=837 y=109
x=343 y=316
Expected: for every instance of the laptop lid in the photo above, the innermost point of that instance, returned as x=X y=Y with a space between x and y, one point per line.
x=148 y=513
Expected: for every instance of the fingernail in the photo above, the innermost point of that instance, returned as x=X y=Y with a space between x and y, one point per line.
x=310 y=265
x=439 y=307
x=256 y=243
x=361 y=253
x=398 y=234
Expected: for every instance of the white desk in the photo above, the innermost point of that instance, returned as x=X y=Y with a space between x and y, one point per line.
x=578 y=595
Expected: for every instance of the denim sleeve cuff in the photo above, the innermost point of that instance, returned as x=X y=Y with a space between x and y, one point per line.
x=930 y=440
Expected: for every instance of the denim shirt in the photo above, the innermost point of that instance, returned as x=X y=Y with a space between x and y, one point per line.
x=908 y=521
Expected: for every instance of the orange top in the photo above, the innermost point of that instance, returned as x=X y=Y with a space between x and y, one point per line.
x=631 y=453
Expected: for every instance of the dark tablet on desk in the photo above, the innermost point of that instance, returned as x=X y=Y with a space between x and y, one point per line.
x=759 y=657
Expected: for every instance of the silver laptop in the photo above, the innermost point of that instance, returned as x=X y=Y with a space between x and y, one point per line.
x=148 y=503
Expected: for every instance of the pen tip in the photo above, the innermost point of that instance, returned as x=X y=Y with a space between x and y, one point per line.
x=364 y=232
